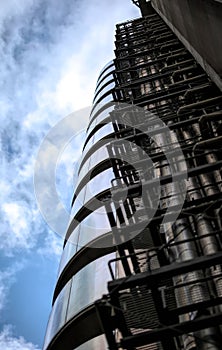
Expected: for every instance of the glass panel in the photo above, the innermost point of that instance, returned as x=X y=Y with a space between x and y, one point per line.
x=105 y=72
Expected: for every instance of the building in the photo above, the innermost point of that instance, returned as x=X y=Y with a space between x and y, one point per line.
x=141 y=266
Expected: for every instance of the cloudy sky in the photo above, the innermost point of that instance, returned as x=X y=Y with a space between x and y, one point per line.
x=51 y=54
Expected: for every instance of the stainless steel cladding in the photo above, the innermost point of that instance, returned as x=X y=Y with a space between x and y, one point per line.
x=141 y=266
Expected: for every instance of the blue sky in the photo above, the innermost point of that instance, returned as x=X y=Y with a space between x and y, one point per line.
x=51 y=54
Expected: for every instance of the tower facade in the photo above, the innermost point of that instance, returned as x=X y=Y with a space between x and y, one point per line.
x=141 y=265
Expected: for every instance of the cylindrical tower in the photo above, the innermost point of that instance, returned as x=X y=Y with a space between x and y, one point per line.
x=83 y=272
x=147 y=204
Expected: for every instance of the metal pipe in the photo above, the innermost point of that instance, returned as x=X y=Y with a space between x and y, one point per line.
x=209 y=181
x=204 y=145
x=180 y=232
x=166 y=68
x=203 y=122
x=208 y=243
x=199 y=104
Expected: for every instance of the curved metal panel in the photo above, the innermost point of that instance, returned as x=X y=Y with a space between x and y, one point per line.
x=104 y=131
x=107 y=88
x=69 y=250
x=105 y=70
x=108 y=70
x=104 y=80
x=106 y=98
x=97 y=157
x=88 y=285
x=98 y=184
x=82 y=290
x=79 y=202
x=98 y=108
x=93 y=226
x=98 y=343
x=65 y=339
x=102 y=116
x=57 y=317
x=83 y=275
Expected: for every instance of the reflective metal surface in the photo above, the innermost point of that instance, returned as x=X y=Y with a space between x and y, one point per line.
x=98 y=343
x=105 y=130
x=97 y=157
x=100 y=96
x=107 y=71
x=107 y=68
x=82 y=290
x=165 y=80
x=58 y=314
x=97 y=109
x=88 y=285
x=79 y=202
x=100 y=117
x=98 y=184
x=104 y=80
x=69 y=250
x=93 y=226
x=106 y=98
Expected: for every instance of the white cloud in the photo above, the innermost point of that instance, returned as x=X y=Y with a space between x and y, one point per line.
x=52 y=245
x=51 y=55
x=7 y=279
x=9 y=342
x=16 y=216
x=18 y=219
x=8 y=8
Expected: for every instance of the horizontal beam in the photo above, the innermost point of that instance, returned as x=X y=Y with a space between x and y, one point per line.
x=171 y=331
x=152 y=278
